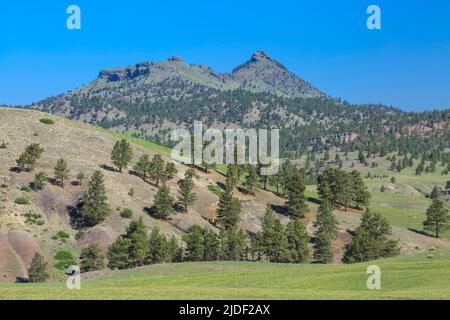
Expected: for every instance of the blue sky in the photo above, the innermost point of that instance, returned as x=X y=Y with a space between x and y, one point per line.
x=406 y=63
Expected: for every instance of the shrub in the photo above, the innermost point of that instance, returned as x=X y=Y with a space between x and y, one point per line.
x=25 y=189
x=61 y=235
x=65 y=259
x=22 y=201
x=47 y=121
x=34 y=218
x=127 y=213
x=79 y=235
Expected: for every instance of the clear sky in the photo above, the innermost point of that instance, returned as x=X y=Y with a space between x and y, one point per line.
x=326 y=42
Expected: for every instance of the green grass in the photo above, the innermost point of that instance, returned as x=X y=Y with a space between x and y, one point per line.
x=419 y=276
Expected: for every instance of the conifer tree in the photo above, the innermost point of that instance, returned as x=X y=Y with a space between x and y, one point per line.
x=157 y=170
x=326 y=228
x=296 y=204
x=38 y=271
x=95 y=207
x=136 y=232
x=251 y=179
x=187 y=196
x=163 y=204
x=91 y=259
x=61 y=171
x=39 y=181
x=438 y=218
x=28 y=158
x=143 y=166
x=118 y=254
x=194 y=243
x=121 y=154
x=370 y=240
x=228 y=211
x=158 y=247
x=297 y=241
x=273 y=238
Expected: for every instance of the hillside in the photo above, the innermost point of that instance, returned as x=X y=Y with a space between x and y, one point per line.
x=419 y=276
x=88 y=148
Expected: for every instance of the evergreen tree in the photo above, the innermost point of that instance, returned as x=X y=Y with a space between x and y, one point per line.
x=157 y=170
x=232 y=175
x=297 y=241
x=435 y=193
x=360 y=195
x=187 y=196
x=296 y=204
x=118 y=254
x=95 y=207
x=170 y=171
x=286 y=174
x=39 y=181
x=143 y=166
x=211 y=245
x=194 y=243
x=121 y=154
x=174 y=252
x=263 y=178
x=370 y=240
x=158 y=248
x=326 y=229
x=438 y=218
x=38 y=271
x=28 y=158
x=91 y=259
x=163 y=204
x=273 y=238
x=136 y=232
x=61 y=171
x=232 y=244
x=229 y=209
x=251 y=179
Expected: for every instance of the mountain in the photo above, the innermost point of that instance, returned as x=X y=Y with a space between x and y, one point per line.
x=263 y=74
x=149 y=99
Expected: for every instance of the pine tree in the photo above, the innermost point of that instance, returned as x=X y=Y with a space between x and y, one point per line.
x=121 y=154
x=118 y=254
x=228 y=211
x=211 y=245
x=194 y=243
x=232 y=175
x=28 y=158
x=187 y=196
x=296 y=204
x=297 y=241
x=435 y=193
x=370 y=240
x=170 y=171
x=39 y=181
x=360 y=195
x=143 y=166
x=138 y=250
x=91 y=259
x=157 y=170
x=273 y=238
x=263 y=178
x=163 y=204
x=232 y=244
x=438 y=218
x=95 y=207
x=174 y=252
x=38 y=271
x=286 y=175
x=61 y=171
x=326 y=229
x=251 y=179
x=158 y=247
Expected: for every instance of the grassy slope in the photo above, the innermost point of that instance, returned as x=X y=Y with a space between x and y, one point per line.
x=409 y=277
